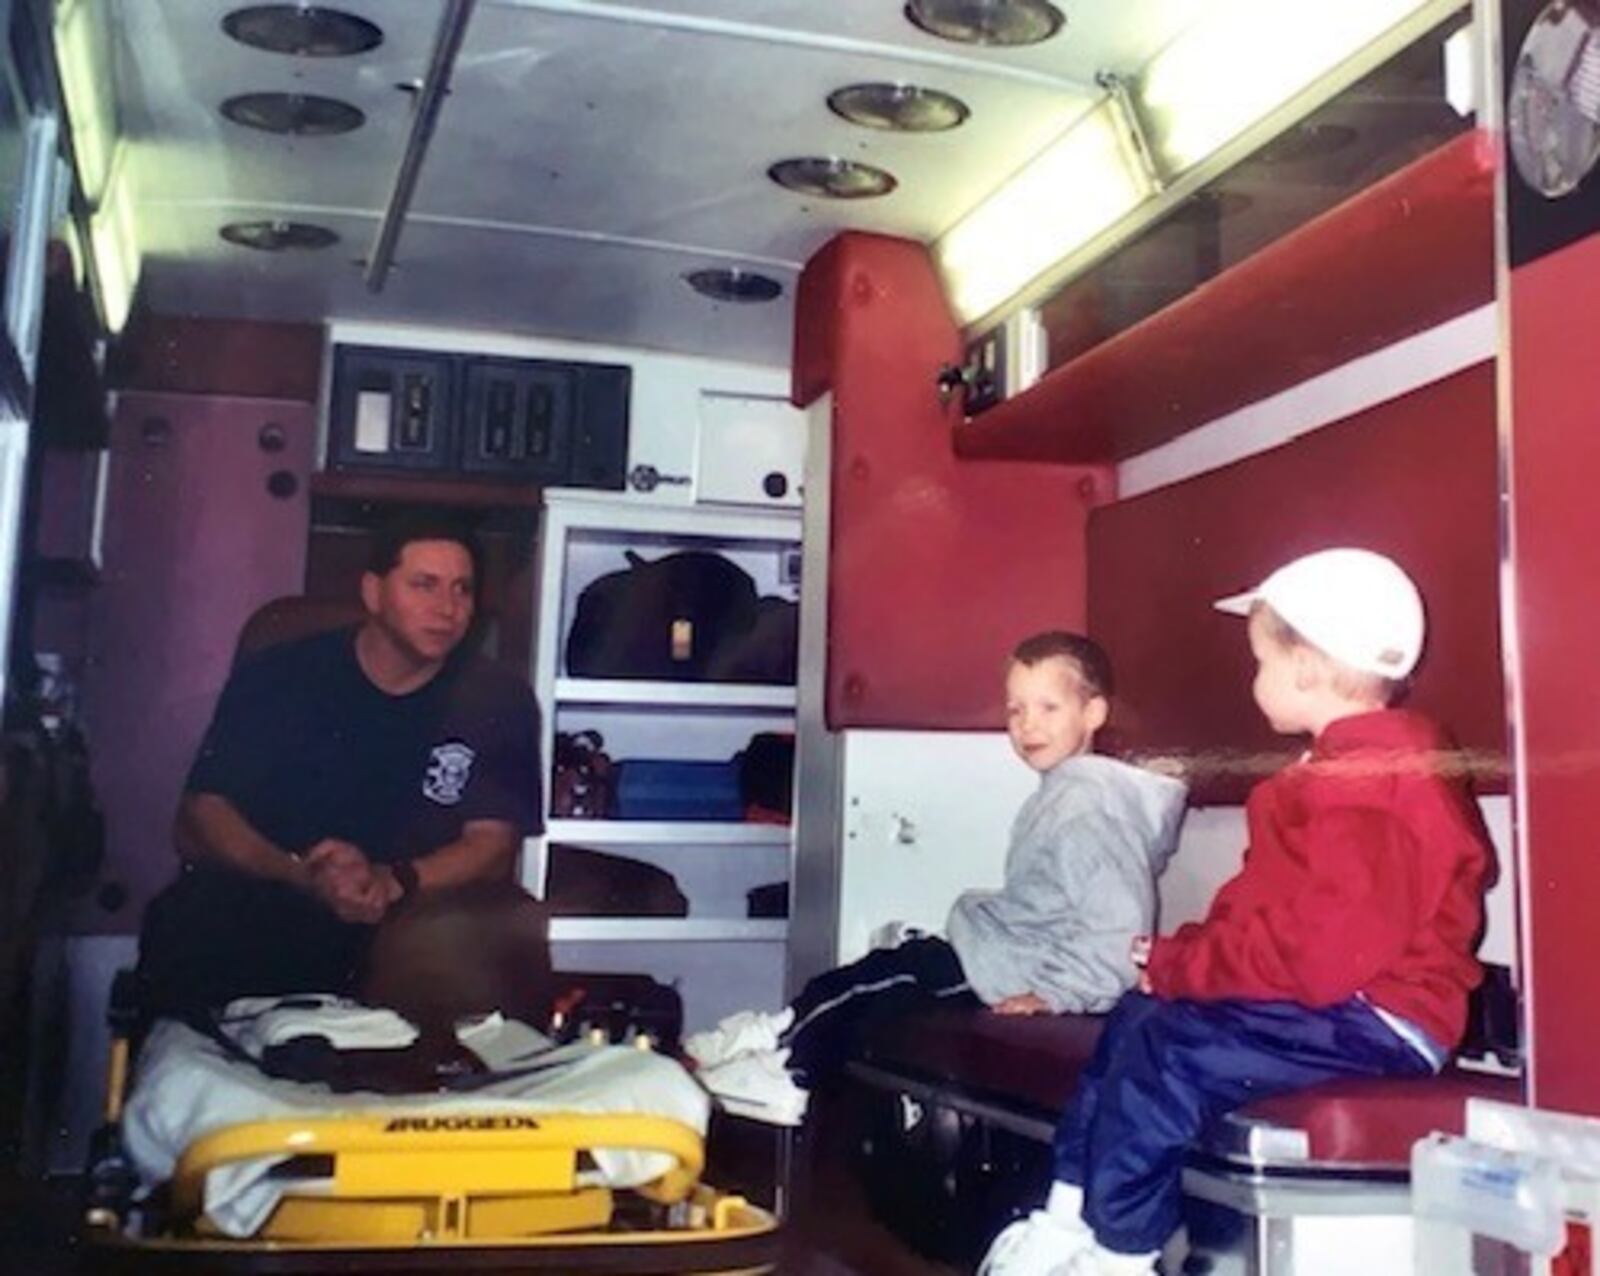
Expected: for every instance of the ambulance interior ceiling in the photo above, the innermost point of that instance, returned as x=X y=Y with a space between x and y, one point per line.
x=590 y=156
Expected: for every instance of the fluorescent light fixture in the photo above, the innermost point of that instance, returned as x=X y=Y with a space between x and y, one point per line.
x=77 y=250
x=1246 y=58
x=1071 y=191
x=110 y=240
x=114 y=244
x=83 y=59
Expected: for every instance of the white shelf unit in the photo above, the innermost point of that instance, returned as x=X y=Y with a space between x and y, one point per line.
x=720 y=697
x=666 y=929
x=684 y=832
x=720 y=958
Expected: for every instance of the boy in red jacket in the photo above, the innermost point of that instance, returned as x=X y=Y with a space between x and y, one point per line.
x=1344 y=946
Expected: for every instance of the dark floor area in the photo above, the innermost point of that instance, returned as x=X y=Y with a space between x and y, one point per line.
x=829 y=1231
x=38 y=1219
x=812 y=1177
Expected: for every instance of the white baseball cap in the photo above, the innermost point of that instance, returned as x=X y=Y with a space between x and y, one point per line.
x=1357 y=606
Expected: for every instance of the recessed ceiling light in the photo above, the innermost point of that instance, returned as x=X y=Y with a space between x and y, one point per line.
x=302 y=30
x=278 y=236
x=904 y=108
x=831 y=178
x=303 y=114
x=1007 y=22
x=728 y=284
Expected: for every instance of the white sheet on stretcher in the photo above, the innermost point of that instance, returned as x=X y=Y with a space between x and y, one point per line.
x=187 y=1086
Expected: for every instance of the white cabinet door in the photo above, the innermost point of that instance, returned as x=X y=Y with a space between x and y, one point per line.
x=752 y=450
x=926 y=816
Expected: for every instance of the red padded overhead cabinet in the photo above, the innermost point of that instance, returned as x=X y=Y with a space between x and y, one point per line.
x=1404 y=255
x=936 y=568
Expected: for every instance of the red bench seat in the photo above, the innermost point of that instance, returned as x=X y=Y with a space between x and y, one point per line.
x=1031 y=1064
x=1354 y=1124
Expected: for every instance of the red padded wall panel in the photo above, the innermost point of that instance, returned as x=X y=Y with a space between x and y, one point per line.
x=818 y=299
x=1555 y=564
x=1415 y=478
x=1400 y=257
x=936 y=567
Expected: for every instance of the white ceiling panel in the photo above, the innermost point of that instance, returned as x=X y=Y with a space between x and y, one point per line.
x=465 y=278
x=1099 y=34
x=694 y=122
x=588 y=155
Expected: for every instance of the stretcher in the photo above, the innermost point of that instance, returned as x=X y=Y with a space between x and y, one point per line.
x=578 y=1157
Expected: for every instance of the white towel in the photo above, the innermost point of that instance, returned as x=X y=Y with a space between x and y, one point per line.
x=255 y=1023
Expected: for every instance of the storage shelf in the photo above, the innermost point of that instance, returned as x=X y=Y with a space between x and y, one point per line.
x=675 y=695
x=625 y=518
x=681 y=832
x=669 y=929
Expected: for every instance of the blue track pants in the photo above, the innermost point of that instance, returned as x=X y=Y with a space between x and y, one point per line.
x=1165 y=1070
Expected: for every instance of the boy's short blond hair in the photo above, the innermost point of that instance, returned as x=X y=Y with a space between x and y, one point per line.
x=1352 y=684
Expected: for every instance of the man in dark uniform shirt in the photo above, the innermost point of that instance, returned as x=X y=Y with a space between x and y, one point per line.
x=341 y=775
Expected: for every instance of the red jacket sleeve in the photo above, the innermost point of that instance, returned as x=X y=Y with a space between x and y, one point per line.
x=1348 y=918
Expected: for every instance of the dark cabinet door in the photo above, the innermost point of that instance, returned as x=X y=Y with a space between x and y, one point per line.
x=517 y=419
x=392 y=410
x=538 y=421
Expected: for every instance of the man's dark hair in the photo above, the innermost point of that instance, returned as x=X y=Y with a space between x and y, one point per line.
x=1085 y=655
x=392 y=537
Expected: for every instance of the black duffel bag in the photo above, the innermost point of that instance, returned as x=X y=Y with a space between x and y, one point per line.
x=588 y=883
x=666 y=618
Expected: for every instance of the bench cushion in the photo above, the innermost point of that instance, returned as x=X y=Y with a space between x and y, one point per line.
x=1355 y=1123
x=1032 y=1061
x=1031 y=1064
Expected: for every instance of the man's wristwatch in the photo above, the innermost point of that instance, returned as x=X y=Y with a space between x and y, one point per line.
x=405 y=875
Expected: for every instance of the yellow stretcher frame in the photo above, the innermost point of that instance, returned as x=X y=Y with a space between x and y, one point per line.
x=499 y=1189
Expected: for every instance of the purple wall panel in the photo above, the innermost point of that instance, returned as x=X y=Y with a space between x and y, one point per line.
x=194 y=542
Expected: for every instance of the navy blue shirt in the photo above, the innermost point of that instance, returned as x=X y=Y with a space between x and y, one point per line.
x=306 y=747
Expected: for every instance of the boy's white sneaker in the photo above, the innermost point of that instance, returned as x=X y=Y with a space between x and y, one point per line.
x=757 y=1085
x=1039 y=1245
x=1096 y=1261
x=893 y=934
x=747 y=1031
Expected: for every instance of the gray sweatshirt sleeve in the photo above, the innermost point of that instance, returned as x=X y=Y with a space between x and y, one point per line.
x=1080 y=884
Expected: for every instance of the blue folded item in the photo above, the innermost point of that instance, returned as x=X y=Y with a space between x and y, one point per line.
x=654 y=790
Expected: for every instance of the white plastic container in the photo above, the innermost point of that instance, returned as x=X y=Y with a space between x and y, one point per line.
x=1476 y=1207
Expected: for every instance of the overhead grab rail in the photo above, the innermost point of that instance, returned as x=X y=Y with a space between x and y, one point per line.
x=430 y=101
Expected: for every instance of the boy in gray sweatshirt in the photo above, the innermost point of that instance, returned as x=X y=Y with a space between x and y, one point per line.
x=1080 y=874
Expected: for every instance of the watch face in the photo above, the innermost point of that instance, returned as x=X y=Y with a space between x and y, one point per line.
x=1554 y=113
